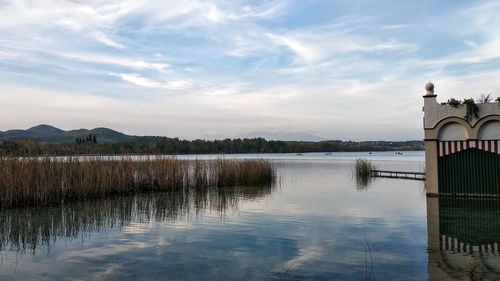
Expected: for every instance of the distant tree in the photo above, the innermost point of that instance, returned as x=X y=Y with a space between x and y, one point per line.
x=485 y=99
x=159 y=145
x=94 y=140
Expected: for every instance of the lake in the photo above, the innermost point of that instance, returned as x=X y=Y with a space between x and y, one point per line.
x=318 y=223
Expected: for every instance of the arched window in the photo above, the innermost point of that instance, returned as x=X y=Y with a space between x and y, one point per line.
x=452 y=132
x=489 y=131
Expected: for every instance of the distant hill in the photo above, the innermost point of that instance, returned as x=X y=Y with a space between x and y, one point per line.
x=50 y=140
x=284 y=136
x=294 y=142
x=213 y=137
x=49 y=134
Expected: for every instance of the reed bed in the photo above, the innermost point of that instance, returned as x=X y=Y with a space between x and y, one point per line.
x=362 y=171
x=49 y=181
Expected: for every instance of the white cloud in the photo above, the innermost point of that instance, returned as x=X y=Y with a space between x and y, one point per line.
x=255 y=62
x=180 y=15
x=103 y=38
x=301 y=49
x=321 y=44
x=93 y=18
x=114 y=60
x=482 y=24
x=138 y=80
x=394 y=26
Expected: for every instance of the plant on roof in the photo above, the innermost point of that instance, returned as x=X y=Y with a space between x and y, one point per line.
x=472 y=109
x=453 y=102
x=485 y=99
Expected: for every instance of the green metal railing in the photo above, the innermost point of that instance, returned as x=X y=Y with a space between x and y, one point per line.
x=471 y=172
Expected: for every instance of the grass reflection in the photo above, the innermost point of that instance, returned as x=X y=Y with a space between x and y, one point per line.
x=29 y=230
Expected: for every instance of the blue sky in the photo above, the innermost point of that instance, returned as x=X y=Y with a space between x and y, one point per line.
x=338 y=69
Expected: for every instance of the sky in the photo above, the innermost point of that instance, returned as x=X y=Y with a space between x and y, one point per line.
x=339 y=69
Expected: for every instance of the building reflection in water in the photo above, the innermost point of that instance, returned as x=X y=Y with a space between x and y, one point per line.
x=464 y=238
x=33 y=230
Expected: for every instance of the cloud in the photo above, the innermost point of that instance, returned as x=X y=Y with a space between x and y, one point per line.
x=394 y=26
x=103 y=38
x=475 y=43
x=269 y=65
x=190 y=14
x=92 y=18
x=321 y=44
x=302 y=50
x=149 y=83
x=131 y=63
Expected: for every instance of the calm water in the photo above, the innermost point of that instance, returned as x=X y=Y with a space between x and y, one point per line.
x=318 y=224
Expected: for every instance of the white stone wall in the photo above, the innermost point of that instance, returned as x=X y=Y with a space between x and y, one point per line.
x=435 y=112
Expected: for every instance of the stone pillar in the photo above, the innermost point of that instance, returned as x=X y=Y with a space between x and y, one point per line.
x=431 y=109
x=431 y=168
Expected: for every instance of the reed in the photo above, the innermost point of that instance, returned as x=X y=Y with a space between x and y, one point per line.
x=362 y=171
x=49 y=181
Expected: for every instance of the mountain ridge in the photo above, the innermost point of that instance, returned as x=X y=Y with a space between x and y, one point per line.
x=53 y=141
x=49 y=134
x=44 y=133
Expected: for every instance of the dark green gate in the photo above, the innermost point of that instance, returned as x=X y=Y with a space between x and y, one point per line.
x=470 y=172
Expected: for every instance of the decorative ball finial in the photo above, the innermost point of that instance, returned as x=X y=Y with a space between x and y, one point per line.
x=430 y=88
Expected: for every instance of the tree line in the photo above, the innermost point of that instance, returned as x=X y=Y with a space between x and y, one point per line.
x=87 y=139
x=164 y=145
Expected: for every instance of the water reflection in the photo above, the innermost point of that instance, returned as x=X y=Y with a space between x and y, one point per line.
x=363 y=182
x=317 y=227
x=30 y=230
x=464 y=238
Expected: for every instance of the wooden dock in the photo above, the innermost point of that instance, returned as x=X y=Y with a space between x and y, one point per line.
x=398 y=175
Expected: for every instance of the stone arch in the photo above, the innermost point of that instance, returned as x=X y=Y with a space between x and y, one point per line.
x=488 y=128
x=451 y=127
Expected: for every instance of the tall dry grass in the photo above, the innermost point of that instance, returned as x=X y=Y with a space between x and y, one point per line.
x=362 y=171
x=48 y=181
